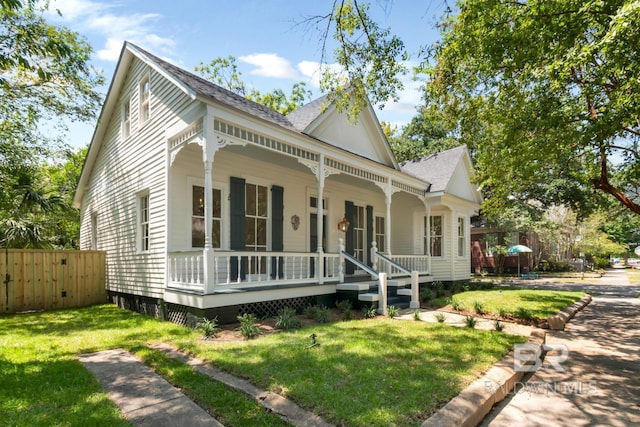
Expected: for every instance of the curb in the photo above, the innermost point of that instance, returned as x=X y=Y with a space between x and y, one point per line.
x=558 y=321
x=470 y=407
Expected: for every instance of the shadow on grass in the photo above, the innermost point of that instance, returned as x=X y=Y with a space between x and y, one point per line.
x=46 y=393
x=372 y=372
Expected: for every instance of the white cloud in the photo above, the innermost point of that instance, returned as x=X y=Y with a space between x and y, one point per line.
x=93 y=17
x=270 y=65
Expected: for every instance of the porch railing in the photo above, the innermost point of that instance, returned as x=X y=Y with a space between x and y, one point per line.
x=398 y=265
x=233 y=269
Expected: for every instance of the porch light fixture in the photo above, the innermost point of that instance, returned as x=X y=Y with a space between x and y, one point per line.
x=343 y=225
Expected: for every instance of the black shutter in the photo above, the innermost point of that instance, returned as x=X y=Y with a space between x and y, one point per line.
x=277 y=229
x=369 y=235
x=349 y=235
x=237 y=225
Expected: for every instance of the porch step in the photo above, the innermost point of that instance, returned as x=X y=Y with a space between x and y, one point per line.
x=404 y=291
x=398 y=283
x=369 y=297
x=354 y=286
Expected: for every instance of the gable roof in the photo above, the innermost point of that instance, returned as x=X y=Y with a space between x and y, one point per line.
x=300 y=121
x=206 y=89
x=445 y=170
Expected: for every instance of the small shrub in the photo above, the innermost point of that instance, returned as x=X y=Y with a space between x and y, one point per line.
x=440 y=317
x=248 y=325
x=456 y=305
x=426 y=295
x=322 y=314
x=503 y=312
x=209 y=327
x=310 y=311
x=392 y=311
x=499 y=326
x=345 y=307
x=369 y=312
x=438 y=286
x=416 y=314
x=478 y=307
x=470 y=322
x=287 y=319
x=523 y=313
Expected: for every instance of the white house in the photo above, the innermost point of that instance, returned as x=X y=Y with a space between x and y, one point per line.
x=210 y=204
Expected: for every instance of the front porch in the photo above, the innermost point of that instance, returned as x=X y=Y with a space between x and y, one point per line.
x=217 y=278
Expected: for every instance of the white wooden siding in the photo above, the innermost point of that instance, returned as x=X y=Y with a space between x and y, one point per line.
x=124 y=168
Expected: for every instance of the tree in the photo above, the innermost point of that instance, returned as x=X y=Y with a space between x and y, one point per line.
x=224 y=72
x=44 y=75
x=548 y=93
x=371 y=59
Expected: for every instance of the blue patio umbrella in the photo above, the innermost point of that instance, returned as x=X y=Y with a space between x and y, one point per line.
x=518 y=249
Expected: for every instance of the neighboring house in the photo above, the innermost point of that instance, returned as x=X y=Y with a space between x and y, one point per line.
x=210 y=204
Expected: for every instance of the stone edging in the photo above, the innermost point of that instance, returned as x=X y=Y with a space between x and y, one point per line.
x=470 y=407
x=558 y=321
x=282 y=406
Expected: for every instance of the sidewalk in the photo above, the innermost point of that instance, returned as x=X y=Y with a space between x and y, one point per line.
x=601 y=381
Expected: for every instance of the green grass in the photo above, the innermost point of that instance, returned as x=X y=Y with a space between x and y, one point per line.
x=374 y=372
x=540 y=303
x=633 y=275
x=367 y=372
x=43 y=384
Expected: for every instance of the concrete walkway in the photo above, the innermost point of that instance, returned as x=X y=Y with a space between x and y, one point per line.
x=144 y=398
x=600 y=384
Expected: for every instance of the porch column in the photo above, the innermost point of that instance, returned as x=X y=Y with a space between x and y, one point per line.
x=387 y=223
x=320 y=220
x=208 y=153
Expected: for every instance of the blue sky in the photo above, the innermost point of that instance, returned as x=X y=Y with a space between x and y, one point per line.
x=273 y=47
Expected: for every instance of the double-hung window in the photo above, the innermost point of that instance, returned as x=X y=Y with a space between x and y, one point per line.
x=256 y=221
x=435 y=239
x=379 y=233
x=462 y=237
x=143 y=222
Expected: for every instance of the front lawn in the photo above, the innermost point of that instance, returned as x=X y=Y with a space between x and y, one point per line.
x=539 y=304
x=363 y=372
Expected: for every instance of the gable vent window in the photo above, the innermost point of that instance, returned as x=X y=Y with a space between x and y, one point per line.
x=126 y=118
x=145 y=97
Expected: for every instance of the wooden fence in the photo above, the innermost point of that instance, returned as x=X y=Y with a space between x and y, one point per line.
x=50 y=279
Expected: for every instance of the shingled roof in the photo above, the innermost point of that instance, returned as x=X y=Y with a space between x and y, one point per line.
x=435 y=168
x=217 y=93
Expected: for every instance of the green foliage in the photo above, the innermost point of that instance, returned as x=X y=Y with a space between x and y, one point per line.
x=369 y=312
x=456 y=304
x=209 y=327
x=224 y=72
x=440 y=317
x=393 y=311
x=370 y=56
x=523 y=313
x=425 y=295
x=45 y=77
x=416 y=314
x=478 y=307
x=248 y=326
x=546 y=94
x=503 y=312
x=498 y=326
x=470 y=321
x=345 y=308
x=287 y=319
x=319 y=313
